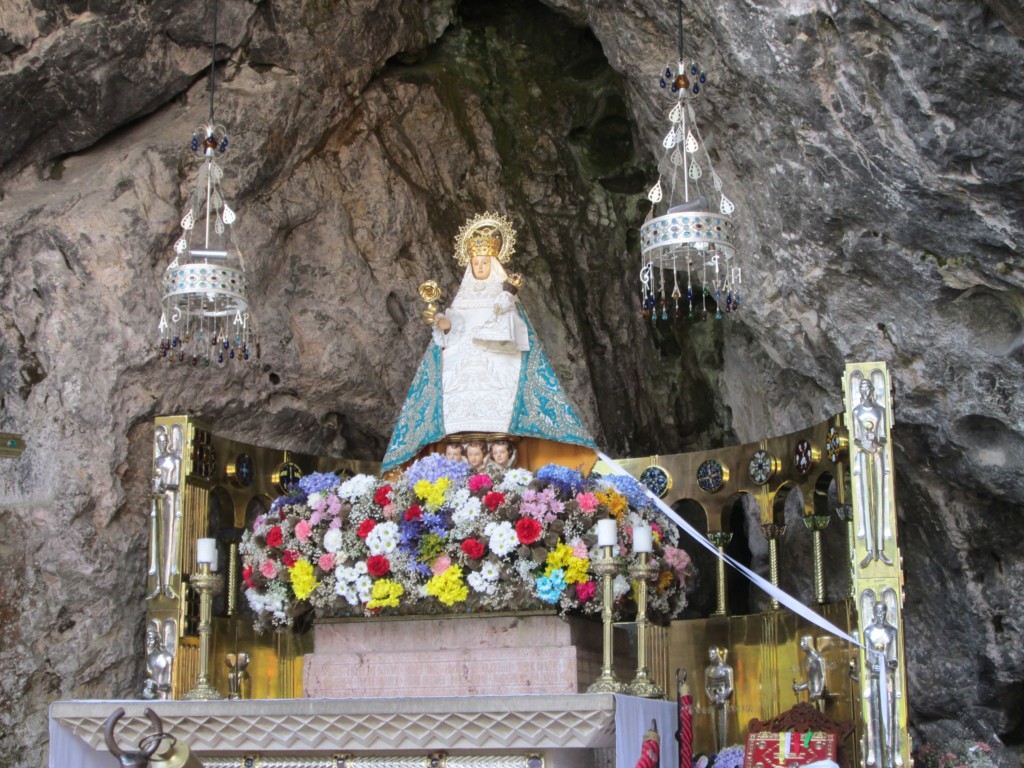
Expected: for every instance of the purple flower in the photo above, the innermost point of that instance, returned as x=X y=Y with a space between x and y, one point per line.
x=437 y=522
x=318 y=482
x=435 y=466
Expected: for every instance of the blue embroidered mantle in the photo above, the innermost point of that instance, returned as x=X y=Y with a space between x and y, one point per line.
x=541 y=407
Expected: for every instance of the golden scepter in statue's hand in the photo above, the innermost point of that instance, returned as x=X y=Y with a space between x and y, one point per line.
x=430 y=292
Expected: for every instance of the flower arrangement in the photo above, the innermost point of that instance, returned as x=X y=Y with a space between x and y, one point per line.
x=956 y=753
x=440 y=539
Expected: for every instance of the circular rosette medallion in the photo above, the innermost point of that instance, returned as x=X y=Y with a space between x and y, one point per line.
x=836 y=443
x=804 y=457
x=241 y=470
x=657 y=479
x=762 y=467
x=711 y=476
x=287 y=476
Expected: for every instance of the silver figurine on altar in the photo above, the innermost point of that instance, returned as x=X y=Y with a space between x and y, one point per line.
x=882 y=746
x=718 y=685
x=871 y=467
x=814 y=674
x=165 y=510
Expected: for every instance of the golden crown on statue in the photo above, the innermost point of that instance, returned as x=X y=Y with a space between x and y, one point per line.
x=488 y=234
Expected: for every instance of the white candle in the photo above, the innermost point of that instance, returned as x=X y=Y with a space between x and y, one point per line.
x=643 y=540
x=607 y=534
x=206 y=551
x=216 y=560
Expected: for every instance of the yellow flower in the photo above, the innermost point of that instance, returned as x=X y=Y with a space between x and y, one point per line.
x=665 y=580
x=448 y=587
x=615 y=502
x=385 y=594
x=575 y=568
x=432 y=493
x=303 y=581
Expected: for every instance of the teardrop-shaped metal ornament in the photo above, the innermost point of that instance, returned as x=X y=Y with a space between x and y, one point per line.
x=215 y=172
x=655 y=194
x=717 y=181
x=676 y=114
x=727 y=206
x=228 y=215
x=695 y=171
x=691 y=143
x=676 y=157
x=670 y=139
x=188 y=220
x=181 y=245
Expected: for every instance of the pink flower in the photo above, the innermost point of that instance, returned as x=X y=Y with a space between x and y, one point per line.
x=585 y=590
x=335 y=523
x=389 y=511
x=302 y=531
x=442 y=564
x=326 y=562
x=678 y=561
x=333 y=505
x=477 y=482
x=321 y=505
x=258 y=522
x=316 y=518
x=588 y=503
x=268 y=569
x=579 y=549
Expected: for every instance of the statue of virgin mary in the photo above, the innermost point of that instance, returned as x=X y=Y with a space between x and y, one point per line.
x=484 y=374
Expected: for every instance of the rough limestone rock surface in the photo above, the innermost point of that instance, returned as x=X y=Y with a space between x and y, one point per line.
x=873 y=149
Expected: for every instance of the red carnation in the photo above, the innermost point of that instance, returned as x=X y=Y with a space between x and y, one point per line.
x=382 y=496
x=473 y=549
x=290 y=557
x=274 y=537
x=377 y=565
x=477 y=482
x=414 y=512
x=365 y=527
x=247 y=576
x=528 y=530
x=585 y=590
x=493 y=500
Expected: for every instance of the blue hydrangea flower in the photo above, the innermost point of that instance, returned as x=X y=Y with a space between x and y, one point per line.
x=435 y=466
x=568 y=482
x=295 y=497
x=636 y=495
x=318 y=482
x=550 y=588
x=730 y=757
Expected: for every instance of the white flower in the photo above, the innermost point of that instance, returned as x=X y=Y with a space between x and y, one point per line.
x=383 y=539
x=345 y=574
x=620 y=586
x=490 y=571
x=314 y=498
x=489 y=528
x=503 y=539
x=481 y=584
x=332 y=540
x=467 y=512
x=361 y=568
x=355 y=487
x=364 y=587
x=460 y=497
x=515 y=481
x=348 y=592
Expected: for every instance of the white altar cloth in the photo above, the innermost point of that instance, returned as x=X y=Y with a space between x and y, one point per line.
x=568 y=730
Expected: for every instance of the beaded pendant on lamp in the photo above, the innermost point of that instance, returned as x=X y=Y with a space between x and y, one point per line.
x=205 y=316
x=687 y=235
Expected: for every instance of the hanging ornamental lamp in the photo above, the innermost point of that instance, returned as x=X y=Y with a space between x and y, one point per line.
x=686 y=242
x=205 y=317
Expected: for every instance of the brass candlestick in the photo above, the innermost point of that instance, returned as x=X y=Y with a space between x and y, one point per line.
x=816 y=524
x=720 y=539
x=206 y=584
x=642 y=685
x=606 y=568
x=773 y=532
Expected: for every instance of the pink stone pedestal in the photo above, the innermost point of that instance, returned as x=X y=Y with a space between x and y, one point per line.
x=453 y=656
